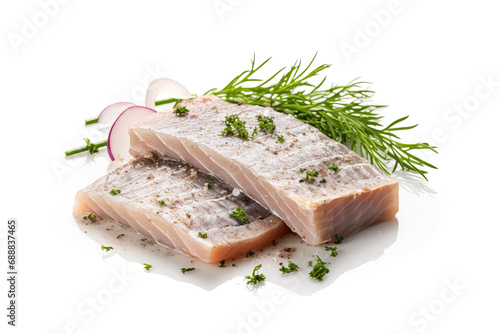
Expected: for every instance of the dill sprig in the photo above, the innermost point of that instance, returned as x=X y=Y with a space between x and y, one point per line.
x=340 y=111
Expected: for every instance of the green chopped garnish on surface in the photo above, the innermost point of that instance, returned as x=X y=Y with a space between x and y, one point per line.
x=91 y=217
x=240 y=214
x=291 y=268
x=333 y=167
x=222 y=263
x=107 y=249
x=184 y=270
x=181 y=111
x=235 y=127
x=210 y=185
x=115 y=192
x=250 y=254
x=319 y=270
x=338 y=239
x=202 y=235
x=147 y=266
x=266 y=123
x=280 y=138
x=255 y=278
x=310 y=263
x=322 y=181
x=333 y=250
x=162 y=202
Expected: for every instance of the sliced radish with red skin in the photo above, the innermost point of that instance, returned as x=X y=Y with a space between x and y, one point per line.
x=109 y=115
x=119 y=138
x=164 y=89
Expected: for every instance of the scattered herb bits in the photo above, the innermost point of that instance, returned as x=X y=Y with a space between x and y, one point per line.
x=322 y=181
x=162 y=202
x=255 y=278
x=181 y=111
x=240 y=214
x=210 y=185
x=202 y=235
x=310 y=263
x=266 y=123
x=250 y=254
x=91 y=217
x=115 y=192
x=310 y=176
x=338 y=239
x=333 y=250
x=333 y=167
x=147 y=266
x=222 y=263
x=185 y=270
x=319 y=270
x=291 y=268
x=107 y=249
x=235 y=127
x=280 y=138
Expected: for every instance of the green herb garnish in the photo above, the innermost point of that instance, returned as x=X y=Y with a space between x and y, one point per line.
x=184 y=270
x=266 y=123
x=222 y=263
x=210 y=185
x=107 y=249
x=255 y=278
x=303 y=170
x=291 y=268
x=91 y=217
x=181 y=111
x=90 y=147
x=310 y=175
x=338 y=239
x=147 y=266
x=319 y=270
x=250 y=254
x=240 y=214
x=280 y=138
x=162 y=202
x=115 y=192
x=322 y=181
x=333 y=250
x=310 y=263
x=333 y=167
x=235 y=127
x=202 y=235
x=341 y=112
x=233 y=265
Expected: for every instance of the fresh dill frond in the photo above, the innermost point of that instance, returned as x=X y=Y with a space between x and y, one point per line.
x=255 y=278
x=342 y=112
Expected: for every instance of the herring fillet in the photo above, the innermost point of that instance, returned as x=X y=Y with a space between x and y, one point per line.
x=356 y=196
x=190 y=207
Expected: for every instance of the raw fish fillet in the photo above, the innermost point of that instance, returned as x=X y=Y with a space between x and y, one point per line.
x=356 y=196
x=191 y=206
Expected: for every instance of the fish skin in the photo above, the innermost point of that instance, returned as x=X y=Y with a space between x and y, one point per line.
x=191 y=207
x=356 y=196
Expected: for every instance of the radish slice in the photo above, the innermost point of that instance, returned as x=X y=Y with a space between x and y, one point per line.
x=119 y=138
x=109 y=115
x=163 y=89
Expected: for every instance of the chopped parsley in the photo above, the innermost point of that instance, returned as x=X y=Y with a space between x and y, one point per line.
x=255 y=278
x=184 y=270
x=222 y=263
x=115 y=192
x=280 y=138
x=91 y=217
x=291 y=268
x=302 y=170
x=333 y=250
x=107 y=249
x=240 y=214
x=255 y=133
x=333 y=167
x=162 y=202
x=210 y=185
x=319 y=270
x=250 y=254
x=266 y=123
x=338 y=239
x=322 y=181
x=147 y=266
x=310 y=176
x=235 y=127
x=181 y=111
x=310 y=263
x=202 y=235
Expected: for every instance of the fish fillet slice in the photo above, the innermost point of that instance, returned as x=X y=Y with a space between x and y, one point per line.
x=358 y=195
x=191 y=207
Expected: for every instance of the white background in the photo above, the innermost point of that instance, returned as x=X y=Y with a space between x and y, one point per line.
x=427 y=59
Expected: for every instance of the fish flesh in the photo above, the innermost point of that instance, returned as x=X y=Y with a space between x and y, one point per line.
x=271 y=172
x=177 y=205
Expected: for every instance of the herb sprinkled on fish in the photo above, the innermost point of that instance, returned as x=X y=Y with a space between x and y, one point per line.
x=184 y=270
x=291 y=268
x=319 y=270
x=181 y=111
x=115 y=192
x=240 y=214
x=333 y=250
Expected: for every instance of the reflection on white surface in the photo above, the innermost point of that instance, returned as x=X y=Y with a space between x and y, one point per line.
x=413 y=183
x=365 y=246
